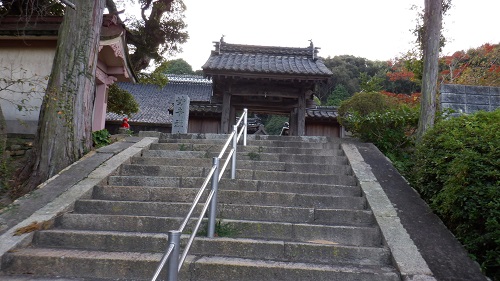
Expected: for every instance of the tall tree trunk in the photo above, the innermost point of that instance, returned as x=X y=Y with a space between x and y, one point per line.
x=431 y=40
x=3 y=147
x=64 y=125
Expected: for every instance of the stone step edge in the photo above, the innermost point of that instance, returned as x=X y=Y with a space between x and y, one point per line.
x=226 y=177
x=238 y=161
x=354 y=269
x=200 y=204
x=206 y=169
x=238 y=221
x=216 y=148
x=351 y=191
x=40 y=253
x=239 y=153
x=185 y=237
x=333 y=186
x=256 y=190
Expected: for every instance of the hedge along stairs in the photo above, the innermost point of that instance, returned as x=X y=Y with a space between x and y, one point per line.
x=294 y=212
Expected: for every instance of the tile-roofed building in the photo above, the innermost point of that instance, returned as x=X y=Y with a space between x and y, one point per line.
x=322 y=121
x=265 y=79
x=322 y=113
x=30 y=44
x=261 y=94
x=154 y=102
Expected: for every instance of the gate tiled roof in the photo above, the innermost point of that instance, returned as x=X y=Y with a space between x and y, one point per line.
x=252 y=59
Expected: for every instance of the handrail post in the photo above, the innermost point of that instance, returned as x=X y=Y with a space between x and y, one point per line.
x=212 y=213
x=174 y=237
x=245 y=124
x=233 y=160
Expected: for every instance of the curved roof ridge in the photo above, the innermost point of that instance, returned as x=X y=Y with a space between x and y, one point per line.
x=224 y=47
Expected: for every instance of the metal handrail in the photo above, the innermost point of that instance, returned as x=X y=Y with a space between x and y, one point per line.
x=215 y=174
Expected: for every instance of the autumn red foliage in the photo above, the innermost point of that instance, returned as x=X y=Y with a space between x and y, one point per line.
x=398 y=70
x=402 y=75
x=411 y=100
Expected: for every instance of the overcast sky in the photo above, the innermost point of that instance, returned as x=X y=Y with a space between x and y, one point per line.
x=376 y=30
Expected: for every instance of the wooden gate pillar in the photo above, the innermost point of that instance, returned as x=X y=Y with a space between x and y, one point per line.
x=226 y=112
x=301 y=115
x=232 y=118
x=292 y=124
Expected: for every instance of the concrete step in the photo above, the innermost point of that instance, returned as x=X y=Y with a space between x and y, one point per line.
x=211 y=148
x=196 y=141
x=273 y=143
x=164 y=161
x=292 y=143
x=244 y=169
x=339 y=197
x=292 y=158
x=229 y=211
x=295 y=212
x=343 y=235
x=176 y=154
x=163 y=137
x=207 y=136
x=238 y=184
x=246 y=164
x=97 y=265
x=228 y=184
x=213 y=268
x=180 y=171
x=294 y=167
x=291 y=150
x=254 y=156
x=164 y=171
x=314 y=252
x=94 y=265
x=312 y=178
x=204 y=147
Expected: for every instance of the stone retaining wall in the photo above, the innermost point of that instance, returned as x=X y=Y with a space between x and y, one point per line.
x=469 y=99
x=19 y=144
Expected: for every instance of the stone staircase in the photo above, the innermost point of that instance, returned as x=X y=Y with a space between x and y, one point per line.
x=294 y=212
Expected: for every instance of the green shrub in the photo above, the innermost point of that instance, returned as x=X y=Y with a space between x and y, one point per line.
x=379 y=119
x=391 y=131
x=101 y=138
x=366 y=102
x=121 y=101
x=457 y=171
x=338 y=95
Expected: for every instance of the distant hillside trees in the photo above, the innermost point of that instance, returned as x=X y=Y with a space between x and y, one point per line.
x=478 y=66
x=403 y=75
x=355 y=74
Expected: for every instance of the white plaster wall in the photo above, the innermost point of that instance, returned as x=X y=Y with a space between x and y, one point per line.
x=37 y=64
